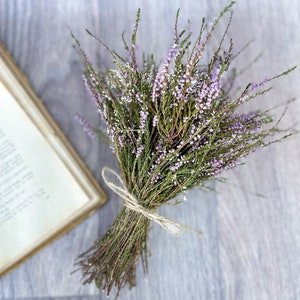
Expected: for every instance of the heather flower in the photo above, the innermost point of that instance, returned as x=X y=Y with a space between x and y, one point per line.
x=173 y=126
x=86 y=126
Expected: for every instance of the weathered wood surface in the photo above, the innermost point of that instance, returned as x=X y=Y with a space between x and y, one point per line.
x=251 y=248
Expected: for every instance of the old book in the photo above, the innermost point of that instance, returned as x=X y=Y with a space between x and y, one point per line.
x=45 y=189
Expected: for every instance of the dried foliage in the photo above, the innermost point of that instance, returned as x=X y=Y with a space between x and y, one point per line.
x=172 y=127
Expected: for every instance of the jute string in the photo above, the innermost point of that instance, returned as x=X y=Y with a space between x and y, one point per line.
x=131 y=202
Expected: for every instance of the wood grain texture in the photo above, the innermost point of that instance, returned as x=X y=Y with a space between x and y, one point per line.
x=252 y=243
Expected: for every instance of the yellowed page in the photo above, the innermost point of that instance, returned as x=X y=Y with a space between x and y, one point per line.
x=37 y=192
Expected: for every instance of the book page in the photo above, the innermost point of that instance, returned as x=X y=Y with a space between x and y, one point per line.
x=37 y=192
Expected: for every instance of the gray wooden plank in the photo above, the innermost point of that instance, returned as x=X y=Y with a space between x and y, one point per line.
x=259 y=236
x=251 y=244
x=86 y=297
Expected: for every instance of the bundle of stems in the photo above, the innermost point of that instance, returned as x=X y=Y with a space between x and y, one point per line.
x=172 y=126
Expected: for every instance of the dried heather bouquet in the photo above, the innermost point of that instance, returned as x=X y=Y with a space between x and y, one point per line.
x=172 y=127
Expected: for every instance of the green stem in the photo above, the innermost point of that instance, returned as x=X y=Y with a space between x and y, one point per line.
x=113 y=259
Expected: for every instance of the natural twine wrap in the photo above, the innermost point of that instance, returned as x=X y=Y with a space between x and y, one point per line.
x=131 y=202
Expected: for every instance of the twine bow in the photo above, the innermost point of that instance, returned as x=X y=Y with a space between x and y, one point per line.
x=131 y=202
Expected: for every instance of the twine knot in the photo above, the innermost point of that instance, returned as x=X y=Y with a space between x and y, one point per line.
x=131 y=202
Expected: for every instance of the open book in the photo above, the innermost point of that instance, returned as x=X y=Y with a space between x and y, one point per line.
x=45 y=189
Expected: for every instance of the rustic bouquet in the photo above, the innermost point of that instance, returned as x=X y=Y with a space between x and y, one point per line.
x=172 y=127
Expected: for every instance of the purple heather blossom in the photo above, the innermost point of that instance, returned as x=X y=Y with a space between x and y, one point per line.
x=209 y=90
x=143 y=118
x=139 y=150
x=216 y=164
x=155 y=120
x=256 y=85
x=161 y=79
x=155 y=178
x=241 y=123
x=121 y=140
x=176 y=167
x=95 y=97
x=171 y=56
x=86 y=126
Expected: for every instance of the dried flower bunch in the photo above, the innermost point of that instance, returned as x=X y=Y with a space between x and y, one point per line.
x=172 y=127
